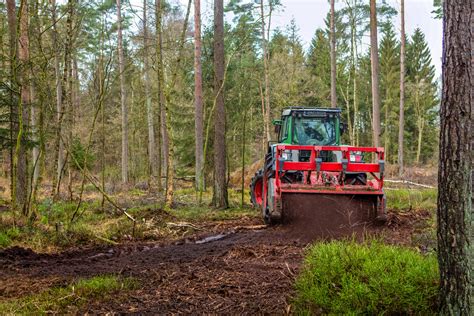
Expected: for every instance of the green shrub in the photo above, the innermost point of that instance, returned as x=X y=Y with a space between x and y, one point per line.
x=7 y=236
x=342 y=277
x=5 y=240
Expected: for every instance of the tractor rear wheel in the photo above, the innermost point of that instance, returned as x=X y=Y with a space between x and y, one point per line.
x=256 y=189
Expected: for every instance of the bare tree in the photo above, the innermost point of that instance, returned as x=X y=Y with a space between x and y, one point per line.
x=333 y=57
x=402 y=88
x=455 y=176
x=374 y=56
x=220 y=199
x=199 y=126
x=123 y=97
x=149 y=108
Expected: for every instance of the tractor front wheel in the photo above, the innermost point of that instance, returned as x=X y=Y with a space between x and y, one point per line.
x=256 y=189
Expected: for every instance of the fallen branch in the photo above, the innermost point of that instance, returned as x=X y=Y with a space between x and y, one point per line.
x=251 y=227
x=410 y=182
x=106 y=240
x=182 y=225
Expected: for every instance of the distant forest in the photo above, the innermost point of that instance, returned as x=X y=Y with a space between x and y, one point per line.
x=106 y=91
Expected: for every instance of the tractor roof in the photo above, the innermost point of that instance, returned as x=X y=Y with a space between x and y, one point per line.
x=309 y=110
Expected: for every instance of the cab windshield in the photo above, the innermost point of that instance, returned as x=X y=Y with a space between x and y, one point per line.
x=319 y=131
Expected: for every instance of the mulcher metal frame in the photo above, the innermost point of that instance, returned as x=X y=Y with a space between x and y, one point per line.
x=326 y=177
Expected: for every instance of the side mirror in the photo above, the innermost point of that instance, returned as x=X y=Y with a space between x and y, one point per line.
x=343 y=127
x=277 y=124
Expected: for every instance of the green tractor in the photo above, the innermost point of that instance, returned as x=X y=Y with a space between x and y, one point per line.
x=308 y=161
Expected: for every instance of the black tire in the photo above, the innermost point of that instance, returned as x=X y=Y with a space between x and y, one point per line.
x=268 y=219
x=256 y=180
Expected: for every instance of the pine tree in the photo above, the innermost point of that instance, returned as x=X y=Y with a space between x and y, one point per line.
x=319 y=67
x=389 y=88
x=422 y=98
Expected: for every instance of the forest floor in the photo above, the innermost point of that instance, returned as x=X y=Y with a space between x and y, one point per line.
x=225 y=264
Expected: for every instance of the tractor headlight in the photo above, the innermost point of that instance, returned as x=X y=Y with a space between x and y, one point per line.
x=286 y=155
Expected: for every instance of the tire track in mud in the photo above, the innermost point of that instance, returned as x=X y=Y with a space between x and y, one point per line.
x=244 y=271
x=234 y=271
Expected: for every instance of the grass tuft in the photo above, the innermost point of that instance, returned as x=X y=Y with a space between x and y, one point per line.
x=68 y=299
x=403 y=200
x=345 y=277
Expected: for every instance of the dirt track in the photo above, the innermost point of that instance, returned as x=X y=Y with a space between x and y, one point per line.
x=244 y=272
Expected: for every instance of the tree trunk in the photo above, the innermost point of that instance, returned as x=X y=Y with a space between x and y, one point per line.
x=374 y=56
x=11 y=12
x=220 y=184
x=266 y=118
x=333 y=57
x=199 y=125
x=152 y=163
x=66 y=95
x=35 y=153
x=421 y=125
x=59 y=145
x=401 y=123
x=162 y=137
x=386 y=134
x=123 y=97
x=455 y=214
x=20 y=157
x=168 y=118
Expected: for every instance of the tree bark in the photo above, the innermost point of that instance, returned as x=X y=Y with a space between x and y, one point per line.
x=123 y=97
x=266 y=118
x=162 y=137
x=220 y=184
x=374 y=56
x=152 y=163
x=199 y=125
x=333 y=57
x=11 y=12
x=35 y=152
x=66 y=94
x=20 y=158
x=401 y=123
x=455 y=214
x=59 y=145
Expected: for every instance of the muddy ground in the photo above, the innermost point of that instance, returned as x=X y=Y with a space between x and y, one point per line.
x=246 y=268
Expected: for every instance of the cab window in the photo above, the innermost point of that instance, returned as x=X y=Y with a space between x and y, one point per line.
x=284 y=129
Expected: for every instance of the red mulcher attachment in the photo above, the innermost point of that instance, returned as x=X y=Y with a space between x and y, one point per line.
x=332 y=193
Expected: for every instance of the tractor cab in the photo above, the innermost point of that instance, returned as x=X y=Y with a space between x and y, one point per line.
x=310 y=127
